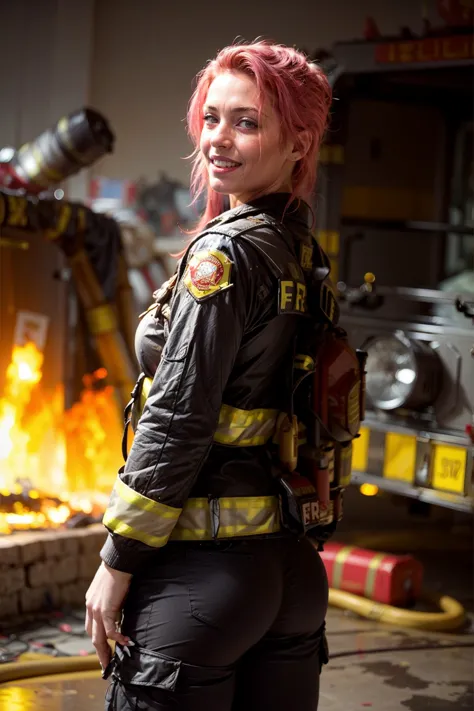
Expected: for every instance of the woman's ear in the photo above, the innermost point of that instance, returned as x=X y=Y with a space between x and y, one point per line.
x=302 y=145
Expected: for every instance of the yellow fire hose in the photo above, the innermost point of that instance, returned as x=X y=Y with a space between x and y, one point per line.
x=452 y=616
x=15 y=671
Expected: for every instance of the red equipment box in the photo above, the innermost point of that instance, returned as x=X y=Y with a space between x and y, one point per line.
x=383 y=577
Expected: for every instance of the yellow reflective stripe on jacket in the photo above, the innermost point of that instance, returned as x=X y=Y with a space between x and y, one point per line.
x=144 y=392
x=133 y=515
x=123 y=529
x=303 y=362
x=245 y=428
x=240 y=428
x=238 y=516
x=138 y=406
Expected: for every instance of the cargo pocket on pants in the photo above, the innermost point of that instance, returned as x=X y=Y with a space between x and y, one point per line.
x=142 y=667
x=111 y=696
x=146 y=680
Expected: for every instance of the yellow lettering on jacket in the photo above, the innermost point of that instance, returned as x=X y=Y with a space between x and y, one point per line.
x=292 y=297
x=300 y=297
x=286 y=294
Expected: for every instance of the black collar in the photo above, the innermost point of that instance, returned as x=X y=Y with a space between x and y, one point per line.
x=278 y=205
x=274 y=204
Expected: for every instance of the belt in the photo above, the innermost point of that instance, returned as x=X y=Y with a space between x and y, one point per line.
x=133 y=515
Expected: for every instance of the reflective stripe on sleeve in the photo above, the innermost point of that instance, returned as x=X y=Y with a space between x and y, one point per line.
x=245 y=428
x=133 y=515
x=236 y=427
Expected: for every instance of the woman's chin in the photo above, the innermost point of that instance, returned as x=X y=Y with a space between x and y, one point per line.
x=219 y=186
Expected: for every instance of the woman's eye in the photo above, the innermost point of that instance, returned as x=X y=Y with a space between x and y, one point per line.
x=209 y=118
x=248 y=123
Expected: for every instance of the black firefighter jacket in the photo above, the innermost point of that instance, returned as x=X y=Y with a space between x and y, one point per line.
x=200 y=464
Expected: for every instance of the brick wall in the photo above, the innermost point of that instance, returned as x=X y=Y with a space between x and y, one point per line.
x=45 y=570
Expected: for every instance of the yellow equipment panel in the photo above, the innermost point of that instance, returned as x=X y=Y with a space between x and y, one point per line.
x=360 y=450
x=449 y=468
x=400 y=457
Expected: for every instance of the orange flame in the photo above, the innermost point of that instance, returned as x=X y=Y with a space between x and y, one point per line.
x=58 y=462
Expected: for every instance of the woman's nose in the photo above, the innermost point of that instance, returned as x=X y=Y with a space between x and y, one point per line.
x=221 y=135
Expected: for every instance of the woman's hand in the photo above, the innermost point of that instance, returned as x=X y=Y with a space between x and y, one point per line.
x=104 y=602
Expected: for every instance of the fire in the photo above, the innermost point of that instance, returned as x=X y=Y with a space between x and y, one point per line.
x=54 y=462
x=23 y=373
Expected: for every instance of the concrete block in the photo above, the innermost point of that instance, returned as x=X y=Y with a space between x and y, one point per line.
x=69 y=542
x=53 y=596
x=30 y=546
x=92 y=538
x=11 y=580
x=40 y=574
x=9 y=551
x=9 y=606
x=74 y=594
x=65 y=570
x=88 y=565
x=51 y=545
x=32 y=599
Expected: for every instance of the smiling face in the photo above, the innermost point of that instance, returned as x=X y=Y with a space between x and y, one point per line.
x=241 y=145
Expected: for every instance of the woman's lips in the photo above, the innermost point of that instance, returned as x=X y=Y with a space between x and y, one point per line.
x=218 y=169
x=221 y=165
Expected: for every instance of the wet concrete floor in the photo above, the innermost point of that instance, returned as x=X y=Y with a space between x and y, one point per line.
x=415 y=672
x=373 y=666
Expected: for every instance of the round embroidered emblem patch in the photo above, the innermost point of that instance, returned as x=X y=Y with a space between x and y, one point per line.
x=206 y=273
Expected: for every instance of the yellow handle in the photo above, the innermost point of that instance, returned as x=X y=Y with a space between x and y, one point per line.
x=288 y=442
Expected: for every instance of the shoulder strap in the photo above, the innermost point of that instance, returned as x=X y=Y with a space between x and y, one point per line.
x=247 y=228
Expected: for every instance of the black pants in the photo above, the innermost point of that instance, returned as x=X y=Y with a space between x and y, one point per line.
x=233 y=626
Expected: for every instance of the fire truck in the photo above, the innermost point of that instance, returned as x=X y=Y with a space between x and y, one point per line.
x=395 y=213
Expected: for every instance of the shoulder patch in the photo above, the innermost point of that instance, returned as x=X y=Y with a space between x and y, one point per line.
x=207 y=272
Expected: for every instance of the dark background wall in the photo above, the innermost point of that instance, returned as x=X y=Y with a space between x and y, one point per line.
x=146 y=54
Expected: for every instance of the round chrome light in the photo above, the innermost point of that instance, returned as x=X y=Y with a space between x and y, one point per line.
x=401 y=372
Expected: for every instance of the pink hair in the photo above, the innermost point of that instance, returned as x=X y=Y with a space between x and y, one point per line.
x=300 y=93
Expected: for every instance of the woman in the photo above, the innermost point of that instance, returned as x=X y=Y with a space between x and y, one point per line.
x=223 y=608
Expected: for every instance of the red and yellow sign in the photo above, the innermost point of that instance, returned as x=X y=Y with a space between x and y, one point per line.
x=430 y=49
